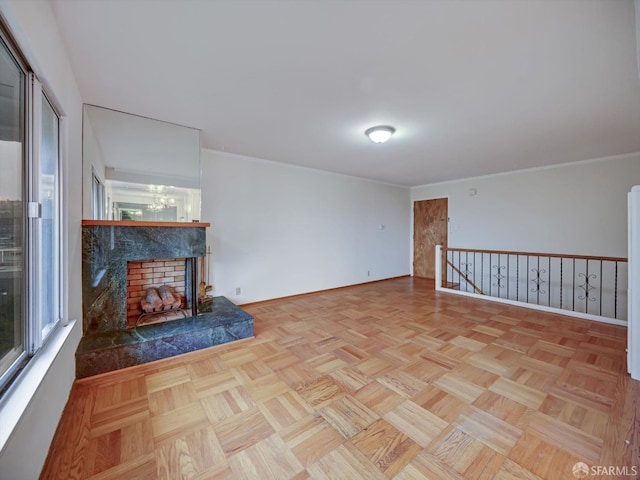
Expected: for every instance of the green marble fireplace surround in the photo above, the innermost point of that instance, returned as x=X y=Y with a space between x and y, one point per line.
x=107 y=344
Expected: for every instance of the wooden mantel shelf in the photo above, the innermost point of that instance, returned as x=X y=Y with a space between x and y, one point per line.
x=135 y=223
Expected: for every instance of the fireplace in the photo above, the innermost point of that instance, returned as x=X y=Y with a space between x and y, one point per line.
x=152 y=278
x=121 y=258
x=107 y=252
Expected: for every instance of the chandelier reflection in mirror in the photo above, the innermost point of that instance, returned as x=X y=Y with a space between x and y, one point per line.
x=159 y=203
x=161 y=199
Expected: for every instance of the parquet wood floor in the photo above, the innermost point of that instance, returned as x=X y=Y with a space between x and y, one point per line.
x=378 y=381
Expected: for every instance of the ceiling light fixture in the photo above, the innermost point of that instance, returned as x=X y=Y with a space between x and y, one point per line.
x=380 y=134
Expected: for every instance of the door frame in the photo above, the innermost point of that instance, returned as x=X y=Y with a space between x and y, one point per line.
x=633 y=285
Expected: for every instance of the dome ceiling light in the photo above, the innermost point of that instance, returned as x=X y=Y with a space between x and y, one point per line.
x=380 y=134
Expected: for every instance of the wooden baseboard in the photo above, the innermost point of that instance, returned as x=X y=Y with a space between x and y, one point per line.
x=316 y=292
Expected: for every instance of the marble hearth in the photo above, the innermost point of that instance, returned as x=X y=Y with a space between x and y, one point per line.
x=107 y=344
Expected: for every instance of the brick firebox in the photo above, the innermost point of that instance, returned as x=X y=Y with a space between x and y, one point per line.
x=143 y=274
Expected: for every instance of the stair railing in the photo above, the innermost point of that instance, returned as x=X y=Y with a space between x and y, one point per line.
x=462 y=275
x=590 y=287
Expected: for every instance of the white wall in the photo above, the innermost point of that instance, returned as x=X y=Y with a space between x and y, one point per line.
x=578 y=208
x=280 y=230
x=637 y=8
x=35 y=29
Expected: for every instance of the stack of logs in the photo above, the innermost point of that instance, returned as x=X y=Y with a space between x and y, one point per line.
x=159 y=300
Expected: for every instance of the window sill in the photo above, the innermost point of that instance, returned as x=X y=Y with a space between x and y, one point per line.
x=17 y=399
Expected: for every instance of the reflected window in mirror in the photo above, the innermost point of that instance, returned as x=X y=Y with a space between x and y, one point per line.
x=98 y=206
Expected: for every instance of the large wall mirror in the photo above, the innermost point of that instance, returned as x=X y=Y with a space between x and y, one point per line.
x=137 y=168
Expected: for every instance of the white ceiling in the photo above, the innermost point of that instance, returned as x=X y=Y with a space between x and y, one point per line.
x=473 y=87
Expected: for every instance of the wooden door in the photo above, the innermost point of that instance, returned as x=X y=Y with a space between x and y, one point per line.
x=430 y=225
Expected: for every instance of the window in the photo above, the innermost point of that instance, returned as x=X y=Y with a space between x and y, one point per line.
x=30 y=249
x=12 y=141
x=47 y=195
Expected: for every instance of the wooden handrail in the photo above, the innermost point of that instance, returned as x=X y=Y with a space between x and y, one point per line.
x=466 y=279
x=536 y=254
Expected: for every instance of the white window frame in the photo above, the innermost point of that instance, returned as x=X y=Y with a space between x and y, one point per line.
x=42 y=332
x=35 y=335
